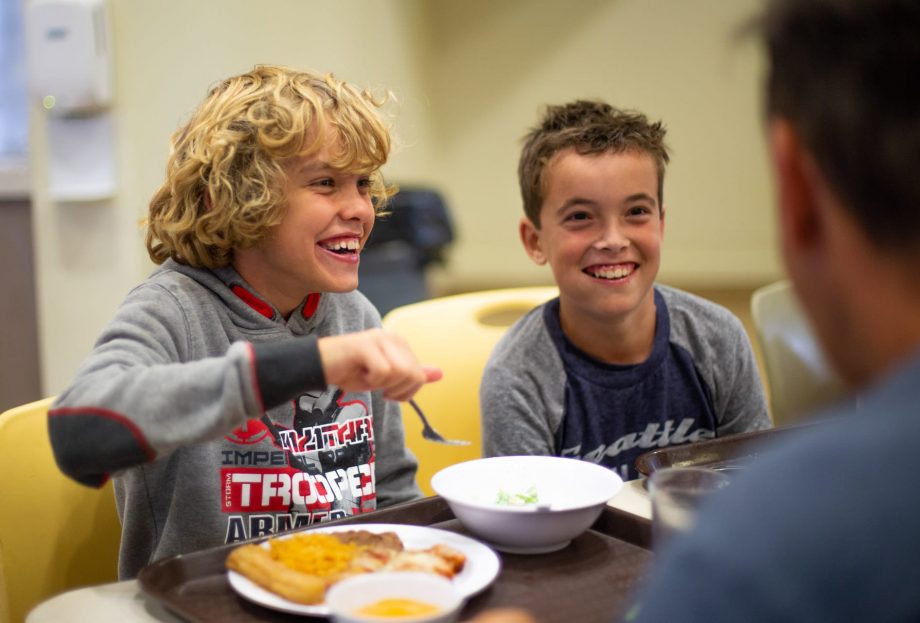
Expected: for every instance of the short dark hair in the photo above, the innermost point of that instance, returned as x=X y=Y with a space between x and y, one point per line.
x=846 y=74
x=590 y=127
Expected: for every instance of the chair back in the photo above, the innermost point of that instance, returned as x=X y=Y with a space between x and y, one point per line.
x=456 y=333
x=55 y=534
x=799 y=378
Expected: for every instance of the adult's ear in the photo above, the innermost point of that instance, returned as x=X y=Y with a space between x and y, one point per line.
x=530 y=237
x=796 y=178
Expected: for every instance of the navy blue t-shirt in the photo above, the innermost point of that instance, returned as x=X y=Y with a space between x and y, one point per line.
x=614 y=413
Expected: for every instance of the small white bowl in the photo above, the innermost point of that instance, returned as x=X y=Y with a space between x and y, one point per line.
x=570 y=496
x=347 y=597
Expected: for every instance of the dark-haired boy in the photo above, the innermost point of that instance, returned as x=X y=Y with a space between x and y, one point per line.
x=616 y=365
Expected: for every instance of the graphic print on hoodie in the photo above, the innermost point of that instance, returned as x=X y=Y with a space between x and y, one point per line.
x=321 y=469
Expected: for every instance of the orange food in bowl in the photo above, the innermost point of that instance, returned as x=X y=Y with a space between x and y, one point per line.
x=397 y=608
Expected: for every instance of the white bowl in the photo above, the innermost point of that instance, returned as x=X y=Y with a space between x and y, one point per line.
x=570 y=496
x=347 y=597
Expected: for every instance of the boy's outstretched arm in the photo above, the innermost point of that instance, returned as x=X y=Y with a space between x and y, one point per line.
x=146 y=389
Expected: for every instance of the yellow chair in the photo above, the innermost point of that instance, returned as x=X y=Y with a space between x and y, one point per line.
x=55 y=534
x=456 y=333
x=799 y=378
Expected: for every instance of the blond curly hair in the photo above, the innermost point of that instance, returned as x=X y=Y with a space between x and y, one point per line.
x=225 y=175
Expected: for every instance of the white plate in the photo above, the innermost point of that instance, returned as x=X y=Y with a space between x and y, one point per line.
x=481 y=568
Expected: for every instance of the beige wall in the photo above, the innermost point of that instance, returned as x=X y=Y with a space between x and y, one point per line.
x=494 y=64
x=470 y=76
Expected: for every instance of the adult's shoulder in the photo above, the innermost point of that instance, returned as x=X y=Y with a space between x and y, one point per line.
x=854 y=459
x=818 y=528
x=837 y=483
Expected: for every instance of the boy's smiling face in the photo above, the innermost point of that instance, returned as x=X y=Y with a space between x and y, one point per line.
x=601 y=229
x=316 y=247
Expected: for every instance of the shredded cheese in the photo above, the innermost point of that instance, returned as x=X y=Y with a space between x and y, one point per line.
x=317 y=554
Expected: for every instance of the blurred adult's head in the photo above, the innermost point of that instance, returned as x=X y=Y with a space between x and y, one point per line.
x=225 y=177
x=845 y=73
x=843 y=101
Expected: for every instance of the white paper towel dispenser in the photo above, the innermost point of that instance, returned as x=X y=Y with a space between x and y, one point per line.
x=69 y=57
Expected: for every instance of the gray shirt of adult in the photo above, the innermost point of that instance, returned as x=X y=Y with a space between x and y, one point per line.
x=822 y=529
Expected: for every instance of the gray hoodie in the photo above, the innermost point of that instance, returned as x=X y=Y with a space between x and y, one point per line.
x=170 y=404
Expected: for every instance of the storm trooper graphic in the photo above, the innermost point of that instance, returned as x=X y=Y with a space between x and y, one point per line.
x=334 y=437
x=325 y=410
x=321 y=468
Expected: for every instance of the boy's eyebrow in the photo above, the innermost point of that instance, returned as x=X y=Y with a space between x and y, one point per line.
x=574 y=201
x=313 y=166
x=319 y=167
x=641 y=197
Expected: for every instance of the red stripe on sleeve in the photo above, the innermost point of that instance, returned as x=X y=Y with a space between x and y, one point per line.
x=255 y=377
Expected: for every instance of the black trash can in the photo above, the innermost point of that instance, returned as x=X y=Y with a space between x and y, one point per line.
x=402 y=246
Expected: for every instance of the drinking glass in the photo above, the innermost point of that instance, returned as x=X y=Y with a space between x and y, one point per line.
x=676 y=494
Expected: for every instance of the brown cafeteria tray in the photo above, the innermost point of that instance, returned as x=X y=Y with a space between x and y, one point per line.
x=724 y=453
x=590 y=580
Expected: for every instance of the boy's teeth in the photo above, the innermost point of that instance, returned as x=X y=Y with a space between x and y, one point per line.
x=351 y=245
x=613 y=273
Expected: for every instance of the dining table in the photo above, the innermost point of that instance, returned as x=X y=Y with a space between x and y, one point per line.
x=591 y=579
